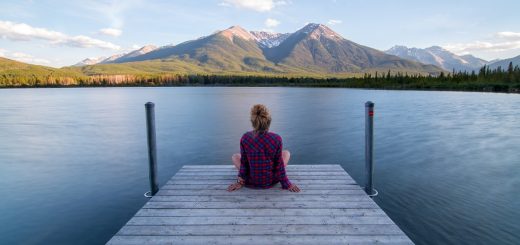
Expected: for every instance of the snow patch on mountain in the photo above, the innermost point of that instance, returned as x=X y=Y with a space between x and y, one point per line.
x=269 y=39
x=438 y=56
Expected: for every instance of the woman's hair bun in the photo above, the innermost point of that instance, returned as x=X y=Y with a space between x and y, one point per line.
x=260 y=110
x=260 y=118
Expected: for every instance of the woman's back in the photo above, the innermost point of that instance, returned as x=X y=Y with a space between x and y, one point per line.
x=261 y=158
x=261 y=161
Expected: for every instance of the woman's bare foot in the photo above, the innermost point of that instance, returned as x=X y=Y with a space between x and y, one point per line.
x=236 y=160
x=286 y=156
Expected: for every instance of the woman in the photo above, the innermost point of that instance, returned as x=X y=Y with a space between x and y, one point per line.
x=261 y=162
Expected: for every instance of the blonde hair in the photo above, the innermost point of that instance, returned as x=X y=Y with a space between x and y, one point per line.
x=260 y=118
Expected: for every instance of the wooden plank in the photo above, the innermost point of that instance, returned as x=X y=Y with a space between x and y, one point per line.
x=263 y=198
x=234 y=205
x=272 y=229
x=286 y=220
x=234 y=172
x=289 y=167
x=224 y=187
x=234 y=177
x=251 y=212
x=195 y=181
x=260 y=239
x=247 y=191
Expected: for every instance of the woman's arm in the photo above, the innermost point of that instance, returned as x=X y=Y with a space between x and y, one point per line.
x=279 y=167
x=243 y=172
x=244 y=164
x=280 y=171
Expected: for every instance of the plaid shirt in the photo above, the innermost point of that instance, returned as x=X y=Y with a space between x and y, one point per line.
x=261 y=165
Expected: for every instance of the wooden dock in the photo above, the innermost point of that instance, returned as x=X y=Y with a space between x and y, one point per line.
x=195 y=208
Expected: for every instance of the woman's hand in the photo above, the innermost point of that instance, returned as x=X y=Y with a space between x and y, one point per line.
x=294 y=188
x=235 y=186
x=240 y=182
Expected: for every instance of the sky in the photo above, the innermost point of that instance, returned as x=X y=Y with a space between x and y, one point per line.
x=63 y=32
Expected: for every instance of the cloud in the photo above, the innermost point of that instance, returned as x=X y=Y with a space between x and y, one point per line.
x=23 y=32
x=23 y=57
x=271 y=23
x=113 y=10
x=509 y=35
x=87 y=42
x=111 y=32
x=502 y=41
x=464 y=48
x=256 y=5
x=334 y=22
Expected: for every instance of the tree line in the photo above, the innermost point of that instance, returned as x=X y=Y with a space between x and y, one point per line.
x=485 y=79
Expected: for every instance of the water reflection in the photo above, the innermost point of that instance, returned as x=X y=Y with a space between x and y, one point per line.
x=74 y=168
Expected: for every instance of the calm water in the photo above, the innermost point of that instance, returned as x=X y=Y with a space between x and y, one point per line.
x=73 y=163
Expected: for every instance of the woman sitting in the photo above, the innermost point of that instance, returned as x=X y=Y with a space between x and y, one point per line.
x=261 y=162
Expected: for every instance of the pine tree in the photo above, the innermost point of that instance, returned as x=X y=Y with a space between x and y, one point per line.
x=510 y=70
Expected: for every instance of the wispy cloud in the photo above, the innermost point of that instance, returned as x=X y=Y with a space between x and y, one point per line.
x=271 y=23
x=334 y=22
x=501 y=41
x=111 y=32
x=23 y=57
x=114 y=10
x=23 y=32
x=509 y=35
x=256 y=5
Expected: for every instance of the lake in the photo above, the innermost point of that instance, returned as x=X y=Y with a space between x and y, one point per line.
x=74 y=166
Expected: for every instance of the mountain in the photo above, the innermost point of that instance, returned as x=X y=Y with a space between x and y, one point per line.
x=128 y=56
x=317 y=48
x=269 y=39
x=90 y=61
x=233 y=49
x=505 y=63
x=440 y=57
x=112 y=58
x=314 y=49
x=117 y=58
x=19 y=72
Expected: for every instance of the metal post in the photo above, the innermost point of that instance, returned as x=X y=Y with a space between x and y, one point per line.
x=152 y=148
x=369 y=146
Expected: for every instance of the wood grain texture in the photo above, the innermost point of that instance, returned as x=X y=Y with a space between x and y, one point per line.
x=262 y=239
x=194 y=207
x=253 y=212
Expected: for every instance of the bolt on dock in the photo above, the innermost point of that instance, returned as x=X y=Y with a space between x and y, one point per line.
x=194 y=207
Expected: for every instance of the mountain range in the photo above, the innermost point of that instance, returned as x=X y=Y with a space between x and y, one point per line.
x=440 y=57
x=314 y=49
x=504 y=64
x=117 y=58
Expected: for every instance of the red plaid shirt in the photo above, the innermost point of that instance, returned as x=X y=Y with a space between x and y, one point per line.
x=261 y=165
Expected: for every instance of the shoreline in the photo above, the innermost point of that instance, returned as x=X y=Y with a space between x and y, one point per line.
x=514 y=91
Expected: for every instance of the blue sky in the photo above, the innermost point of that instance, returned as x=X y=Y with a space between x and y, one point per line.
x=63 y=32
